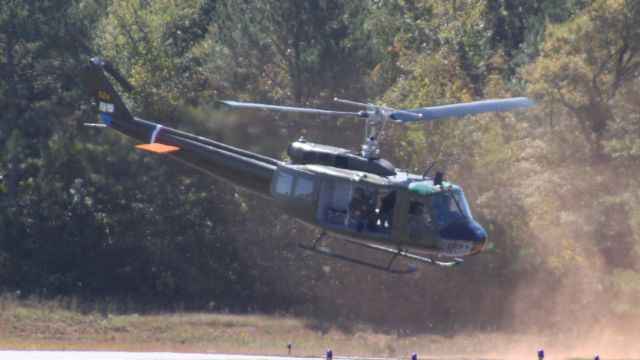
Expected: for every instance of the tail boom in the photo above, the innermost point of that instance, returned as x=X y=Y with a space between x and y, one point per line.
x=243 y=168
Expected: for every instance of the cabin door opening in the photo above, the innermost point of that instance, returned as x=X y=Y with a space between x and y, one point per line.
x=356 y=207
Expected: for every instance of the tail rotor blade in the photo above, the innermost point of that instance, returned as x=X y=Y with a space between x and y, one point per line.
x=78 y=40
x=99 y=60
x=116 y=75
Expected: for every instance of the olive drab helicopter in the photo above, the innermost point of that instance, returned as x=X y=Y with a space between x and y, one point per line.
x=355 y=196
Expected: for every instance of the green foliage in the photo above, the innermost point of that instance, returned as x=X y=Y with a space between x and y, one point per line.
x=586 y=61
x=152 y=45
x=75 y=222
x=285 y=51
x=82 y=215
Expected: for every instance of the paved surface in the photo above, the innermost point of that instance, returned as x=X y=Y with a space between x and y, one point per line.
x=122 y=355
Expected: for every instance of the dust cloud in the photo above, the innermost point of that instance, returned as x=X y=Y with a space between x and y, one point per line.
x=562 y=285
x=568 y=302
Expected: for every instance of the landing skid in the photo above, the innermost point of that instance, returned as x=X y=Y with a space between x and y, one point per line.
x=388 y=268
x=410 y=269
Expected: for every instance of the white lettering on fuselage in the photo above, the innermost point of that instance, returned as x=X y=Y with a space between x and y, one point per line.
x=106 y=107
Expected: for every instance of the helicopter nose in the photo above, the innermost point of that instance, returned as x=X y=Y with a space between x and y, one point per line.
x=480 y=240
x=468 y=231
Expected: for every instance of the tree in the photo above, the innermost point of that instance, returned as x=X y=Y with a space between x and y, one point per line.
x=37 y=68
x=586 y=61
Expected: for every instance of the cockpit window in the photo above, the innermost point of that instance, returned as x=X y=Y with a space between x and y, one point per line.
x=461 y=201
x=450 y=207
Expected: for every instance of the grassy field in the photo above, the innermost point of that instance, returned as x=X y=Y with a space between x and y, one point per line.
x=38 y=325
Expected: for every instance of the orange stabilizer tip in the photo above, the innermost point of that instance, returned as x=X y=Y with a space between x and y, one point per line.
x=157 y=148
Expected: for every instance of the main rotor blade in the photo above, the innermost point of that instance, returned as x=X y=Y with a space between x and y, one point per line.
x=237 y=104
x=476 y=107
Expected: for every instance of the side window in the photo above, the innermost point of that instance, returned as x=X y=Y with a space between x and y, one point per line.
x=416 y=208
x=283 y=184
x=303 y=189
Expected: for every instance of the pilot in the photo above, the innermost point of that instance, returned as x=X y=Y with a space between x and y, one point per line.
x=359 y=207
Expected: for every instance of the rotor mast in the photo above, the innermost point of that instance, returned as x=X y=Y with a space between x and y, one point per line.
x=376 y=117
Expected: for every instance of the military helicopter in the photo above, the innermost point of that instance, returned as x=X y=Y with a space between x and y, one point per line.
x=356 y=196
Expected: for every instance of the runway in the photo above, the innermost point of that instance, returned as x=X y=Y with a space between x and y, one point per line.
x=123 y=355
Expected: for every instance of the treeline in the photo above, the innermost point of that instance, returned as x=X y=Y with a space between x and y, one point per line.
x=84 y=215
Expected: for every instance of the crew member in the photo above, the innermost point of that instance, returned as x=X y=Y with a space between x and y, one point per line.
x=358 y=207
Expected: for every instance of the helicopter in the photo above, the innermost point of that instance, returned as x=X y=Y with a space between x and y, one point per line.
x=356 y=196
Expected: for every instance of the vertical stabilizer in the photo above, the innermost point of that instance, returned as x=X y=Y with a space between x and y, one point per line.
x=110 y=106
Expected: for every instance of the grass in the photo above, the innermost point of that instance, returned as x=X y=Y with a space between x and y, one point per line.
x=42 y=325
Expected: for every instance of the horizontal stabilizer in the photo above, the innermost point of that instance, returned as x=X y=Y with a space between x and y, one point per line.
x=157 y=148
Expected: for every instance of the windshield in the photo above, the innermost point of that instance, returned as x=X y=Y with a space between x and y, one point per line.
x=450 y=207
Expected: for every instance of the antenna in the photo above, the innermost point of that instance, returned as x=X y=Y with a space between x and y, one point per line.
x=424 y=174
